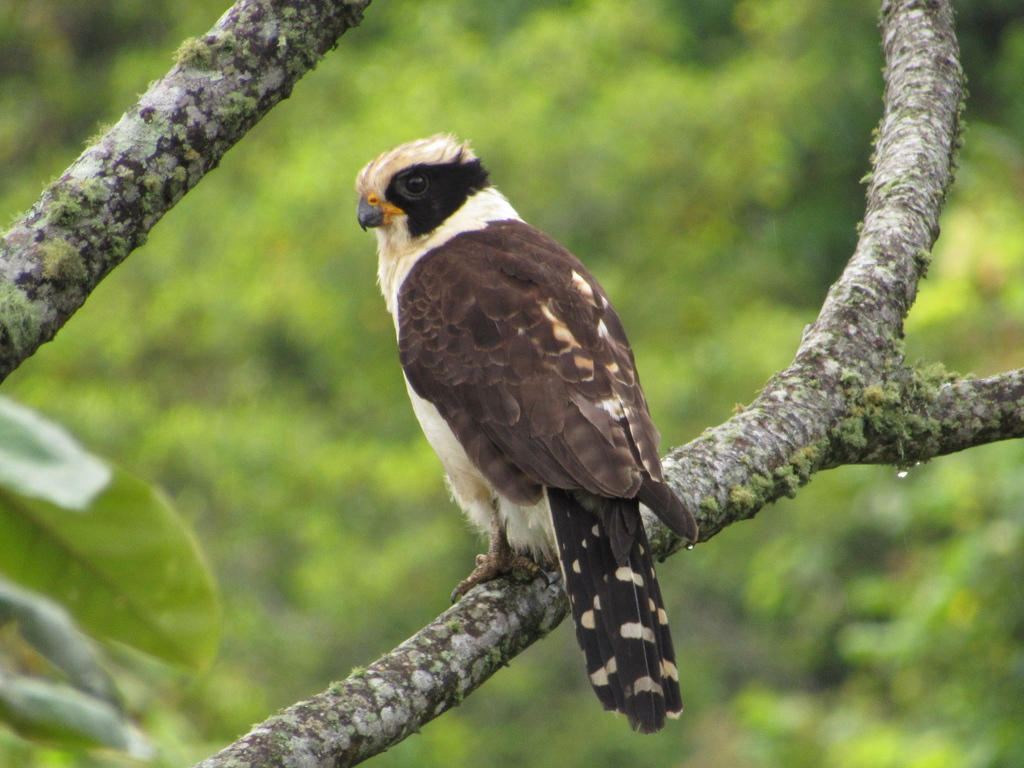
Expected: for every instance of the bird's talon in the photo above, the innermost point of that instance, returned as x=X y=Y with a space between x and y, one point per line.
x=496 y=564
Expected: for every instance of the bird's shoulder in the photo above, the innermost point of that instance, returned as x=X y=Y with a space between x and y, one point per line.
x=508 y=280
x=511 y=249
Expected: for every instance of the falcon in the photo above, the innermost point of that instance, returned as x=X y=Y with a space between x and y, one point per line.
x=524 y=383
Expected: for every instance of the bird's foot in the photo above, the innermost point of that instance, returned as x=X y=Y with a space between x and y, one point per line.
x=499 y=561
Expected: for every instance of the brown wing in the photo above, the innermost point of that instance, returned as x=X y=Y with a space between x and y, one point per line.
x=516 y=344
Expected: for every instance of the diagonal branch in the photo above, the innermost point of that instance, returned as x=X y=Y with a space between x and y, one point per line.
x=103 y=206
x=848 y=386
x=374 y=709
x=848 y=397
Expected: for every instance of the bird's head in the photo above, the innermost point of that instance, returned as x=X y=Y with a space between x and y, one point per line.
x=411 y=190
x=419 y=195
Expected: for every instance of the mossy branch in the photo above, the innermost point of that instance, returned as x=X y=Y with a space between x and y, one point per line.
x=849 y=397
x=377 y=707
x=948 y=416
x=103 y=206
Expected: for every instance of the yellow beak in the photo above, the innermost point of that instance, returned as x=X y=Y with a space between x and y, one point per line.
x=374 y=212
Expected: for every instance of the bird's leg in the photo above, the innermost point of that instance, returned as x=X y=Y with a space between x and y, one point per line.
x=500 y=560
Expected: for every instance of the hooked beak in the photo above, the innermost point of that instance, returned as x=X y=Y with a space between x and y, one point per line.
x=374 y=212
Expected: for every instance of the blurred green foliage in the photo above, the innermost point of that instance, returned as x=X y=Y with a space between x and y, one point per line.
x=704 y=159
x=118 y=559
x=102 y=542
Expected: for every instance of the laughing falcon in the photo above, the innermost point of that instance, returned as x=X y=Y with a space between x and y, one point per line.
x=522 y=378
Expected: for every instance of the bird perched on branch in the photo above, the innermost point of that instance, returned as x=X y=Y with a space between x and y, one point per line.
x=524 y=383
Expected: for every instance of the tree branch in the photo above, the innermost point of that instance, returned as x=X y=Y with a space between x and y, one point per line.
x=954 y=416
x=848 y=390
x=101 y=208
x=375 y=708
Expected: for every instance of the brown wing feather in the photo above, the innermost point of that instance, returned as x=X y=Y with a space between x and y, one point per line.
x=518 y=347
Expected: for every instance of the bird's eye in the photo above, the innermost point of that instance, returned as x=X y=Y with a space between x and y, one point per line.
x=416 y=184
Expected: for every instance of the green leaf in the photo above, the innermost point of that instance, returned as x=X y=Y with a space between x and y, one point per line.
x=39 y=459
x=48 y=628
x=45 y=711
x=128 y=570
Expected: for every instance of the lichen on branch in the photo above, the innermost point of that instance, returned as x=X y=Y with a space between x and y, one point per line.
x=101 y=208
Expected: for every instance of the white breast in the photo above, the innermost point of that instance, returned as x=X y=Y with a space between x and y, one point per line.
x=528 y=528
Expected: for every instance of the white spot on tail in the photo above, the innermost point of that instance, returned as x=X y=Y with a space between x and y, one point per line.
x=587 y=620
x=625 y=573
x=646 y=683
x=662 y=616
x=634 y=630
x=576 y=566
x=668 y=669
x=600 y=676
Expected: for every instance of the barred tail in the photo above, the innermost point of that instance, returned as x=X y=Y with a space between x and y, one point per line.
x=617 y=607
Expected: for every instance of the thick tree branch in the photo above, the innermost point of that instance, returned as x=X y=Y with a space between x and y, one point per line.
x=848 y=389
x=952 y=416
x=103 y=206
x=375 y=708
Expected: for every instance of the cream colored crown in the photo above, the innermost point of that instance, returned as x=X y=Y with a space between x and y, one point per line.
x=435 y=150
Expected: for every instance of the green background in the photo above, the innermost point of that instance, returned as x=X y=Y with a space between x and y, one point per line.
x=704 y=159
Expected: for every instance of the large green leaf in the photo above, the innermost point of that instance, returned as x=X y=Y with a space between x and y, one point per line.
x=125 y=565
x=128 y=570
x=40 y=459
